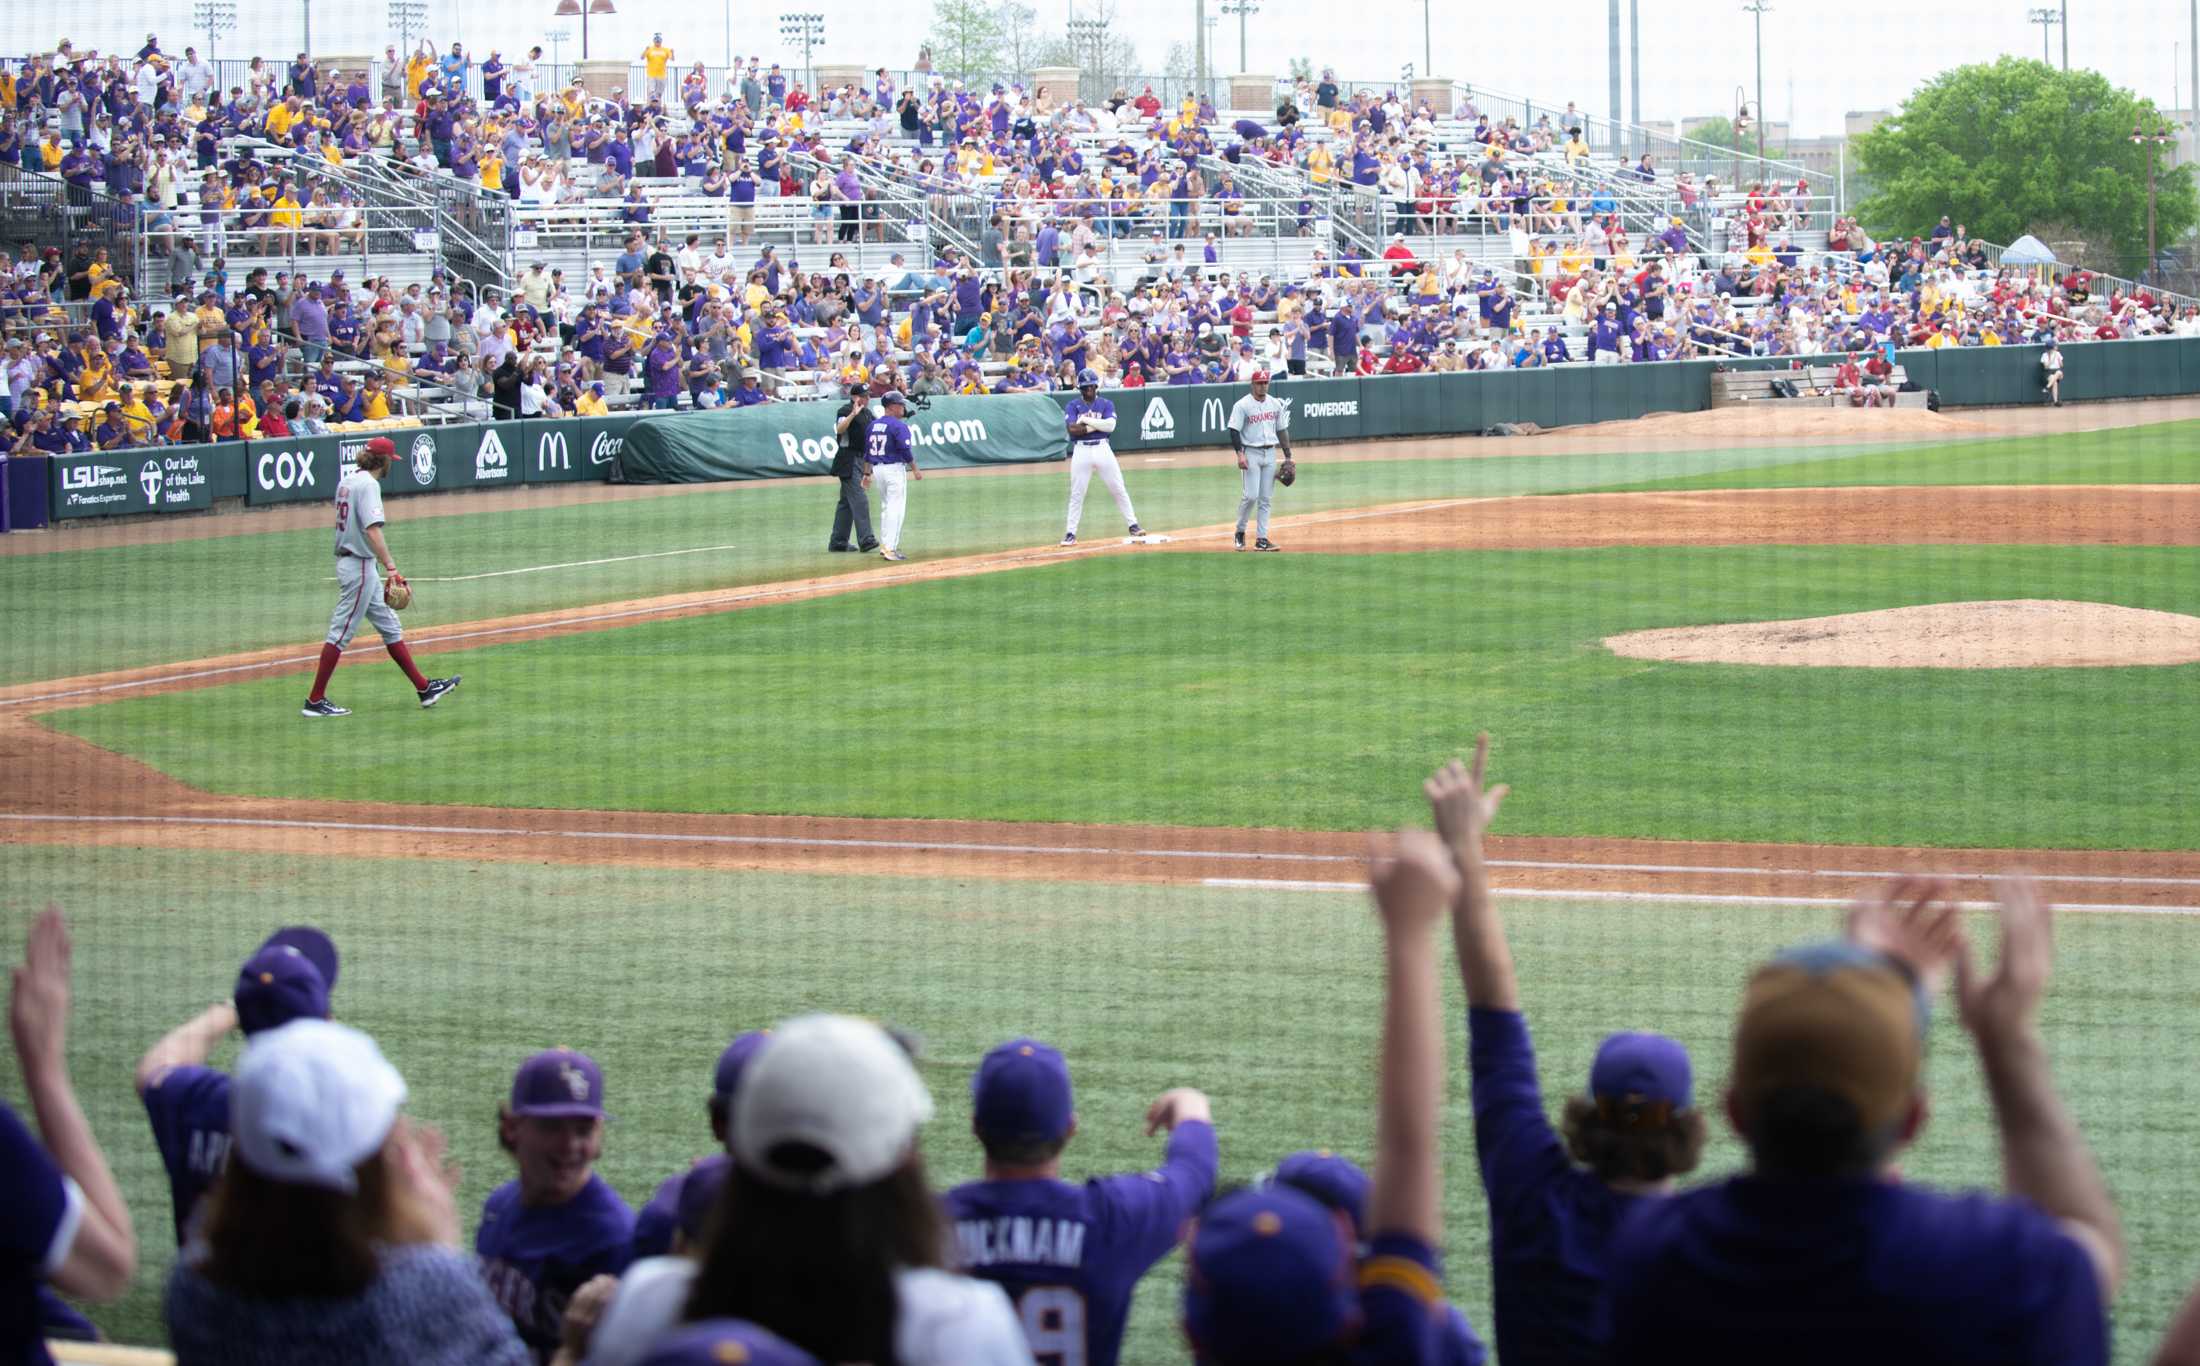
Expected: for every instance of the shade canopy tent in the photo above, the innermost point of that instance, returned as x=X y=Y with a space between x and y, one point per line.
x=2027 y=251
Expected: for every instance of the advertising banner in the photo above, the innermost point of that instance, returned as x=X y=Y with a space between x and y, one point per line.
x=783 y=440
x=572 y=449
x=142 y=479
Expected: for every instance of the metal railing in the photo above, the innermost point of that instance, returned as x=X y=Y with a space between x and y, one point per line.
x=49 y=211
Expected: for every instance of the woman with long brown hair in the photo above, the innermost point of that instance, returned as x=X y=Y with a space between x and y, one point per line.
x=332 y=1237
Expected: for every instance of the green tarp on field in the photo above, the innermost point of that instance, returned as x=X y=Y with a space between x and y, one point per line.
x=782 y=440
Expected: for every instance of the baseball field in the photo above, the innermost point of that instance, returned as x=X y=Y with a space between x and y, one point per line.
x=701 y=775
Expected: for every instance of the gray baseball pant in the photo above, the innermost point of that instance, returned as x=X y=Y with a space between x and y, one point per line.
x=1259 y=485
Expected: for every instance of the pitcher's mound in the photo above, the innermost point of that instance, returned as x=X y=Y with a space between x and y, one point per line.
x=2025 y=633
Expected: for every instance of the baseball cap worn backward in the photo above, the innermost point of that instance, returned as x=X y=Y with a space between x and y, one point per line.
x=1269 y=1278
x=312 y=1100
x=558 y=1083
x=725 y=1342
x=276 y=985
x=1021 y=1094
x=834 y=1083
x=1831 y=1017
x=1642 y=1067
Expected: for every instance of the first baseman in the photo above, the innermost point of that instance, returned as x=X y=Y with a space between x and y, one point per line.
x=1258 y=425
x=359 y=546
x=1090 y=418
x=893 y=459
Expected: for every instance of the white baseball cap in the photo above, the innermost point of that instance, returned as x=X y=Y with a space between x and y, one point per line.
x=834 y=1083
x=313 y=1099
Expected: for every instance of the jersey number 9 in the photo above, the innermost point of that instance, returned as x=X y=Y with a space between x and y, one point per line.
x=1054 y=1324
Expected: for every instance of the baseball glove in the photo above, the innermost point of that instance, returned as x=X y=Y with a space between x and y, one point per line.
x=1287 y=473
x=397 y=592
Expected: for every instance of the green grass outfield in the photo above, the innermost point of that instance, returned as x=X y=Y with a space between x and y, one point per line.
x=1308 y=692
x=1270 y=1003
x=78 y=611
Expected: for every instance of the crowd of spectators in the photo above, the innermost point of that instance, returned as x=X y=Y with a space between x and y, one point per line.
x=1102 y=230
x=318 y=1222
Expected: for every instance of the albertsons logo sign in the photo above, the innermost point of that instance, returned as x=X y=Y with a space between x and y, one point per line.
x=1158 y=424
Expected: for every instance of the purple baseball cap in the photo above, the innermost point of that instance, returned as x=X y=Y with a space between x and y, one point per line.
x=314 y=944
x=1337 y=1182
x=1269 y=1278
x=726 y=1079
x=558 y=1084
x=699 y=1191
x=1642 y=1067
x=1021 y=1094
x=725 y=1342
x=277 y=985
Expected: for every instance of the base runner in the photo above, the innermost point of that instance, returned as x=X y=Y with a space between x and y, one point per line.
x=359 y=547
x=1090 y=418
x=1258 y=425
x=893 y=457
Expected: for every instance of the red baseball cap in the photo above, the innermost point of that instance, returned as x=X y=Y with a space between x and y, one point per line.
x=1259 y=377
x=382 y=445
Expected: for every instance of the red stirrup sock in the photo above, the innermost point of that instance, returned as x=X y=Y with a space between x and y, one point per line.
x=402 y=653
x=329 y=655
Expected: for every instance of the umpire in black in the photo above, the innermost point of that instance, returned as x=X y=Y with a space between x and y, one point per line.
x=852 y=425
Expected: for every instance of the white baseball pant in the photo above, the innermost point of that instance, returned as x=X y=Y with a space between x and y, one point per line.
x=893 y=503
x=1086 y=459
x=359 y=598
x=1257 y=486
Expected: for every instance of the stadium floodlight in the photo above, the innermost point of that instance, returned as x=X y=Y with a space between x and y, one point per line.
x=1088 y=38
x=214 y=18
x=408 y=17
x=568 y=8
x=1759 y=8
x=2046 y=19
x=806 y=31
x=1242 y=9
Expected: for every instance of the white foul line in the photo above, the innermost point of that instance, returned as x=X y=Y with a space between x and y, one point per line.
x=1075 y=850
x=1662 y=898
x=569 y=564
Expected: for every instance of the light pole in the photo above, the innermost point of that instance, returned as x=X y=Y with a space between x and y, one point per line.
x=407 y=17
x=1759 y=8
x=2046 y=19
x=1088 y=38
x=1241 y=8
x=2152 y=141
x=1740 y=126
x=568 y=8
x=215 y=17
x=2066 y=33
x=1428 y=43
x=806 y=31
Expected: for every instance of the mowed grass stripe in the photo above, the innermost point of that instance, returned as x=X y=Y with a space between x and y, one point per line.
x=1272 y=1007
x=1304 y=692
x=81 y=611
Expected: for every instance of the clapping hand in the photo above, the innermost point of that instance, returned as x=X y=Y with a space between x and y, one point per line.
x=1916 y=923
x=2008 y=1002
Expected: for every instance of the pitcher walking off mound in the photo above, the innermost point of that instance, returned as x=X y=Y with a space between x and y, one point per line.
x=359 y=546
x=1258 y=425
x=1090 y=418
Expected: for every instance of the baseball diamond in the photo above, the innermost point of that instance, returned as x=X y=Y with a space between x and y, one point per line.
x=1758 y=623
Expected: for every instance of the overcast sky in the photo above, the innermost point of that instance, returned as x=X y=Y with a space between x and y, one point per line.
x=1819 y=59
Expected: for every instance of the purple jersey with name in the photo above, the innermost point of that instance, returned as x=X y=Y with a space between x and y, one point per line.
x=1070 y=1256
x=38 y=1210
x=189 y=1108
x=889 y=443
x=535 y=1256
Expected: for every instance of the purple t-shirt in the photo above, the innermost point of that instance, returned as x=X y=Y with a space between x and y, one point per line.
x=1070 y=1256
x=657 y=1221
x=535 y=1256
x=1849 y=1271
x=36 y=1212
x=189 y=1108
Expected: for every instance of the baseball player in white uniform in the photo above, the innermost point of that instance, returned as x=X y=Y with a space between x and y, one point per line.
x=1090 y=418
x=359 y=547
x=1258 y=426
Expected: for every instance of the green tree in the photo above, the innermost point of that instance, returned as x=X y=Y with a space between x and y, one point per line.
x=2004 y=147
x=965 y=37
x=1019 y=36
x=1719 y=133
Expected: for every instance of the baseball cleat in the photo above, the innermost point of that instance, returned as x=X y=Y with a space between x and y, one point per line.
x=323 y=707
x=1137 y=530
x=1265 y=544
x=1240 y=538
x=433 y=693
x=1069 y=538
x=896 y=556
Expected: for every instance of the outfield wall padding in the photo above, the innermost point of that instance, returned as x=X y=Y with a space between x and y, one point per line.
x=783 y=440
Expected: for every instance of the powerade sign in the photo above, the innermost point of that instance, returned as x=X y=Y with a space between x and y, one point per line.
x=137 y=480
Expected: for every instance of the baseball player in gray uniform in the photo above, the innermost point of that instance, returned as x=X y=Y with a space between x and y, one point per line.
x=1258 y=425
x=359 y=547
